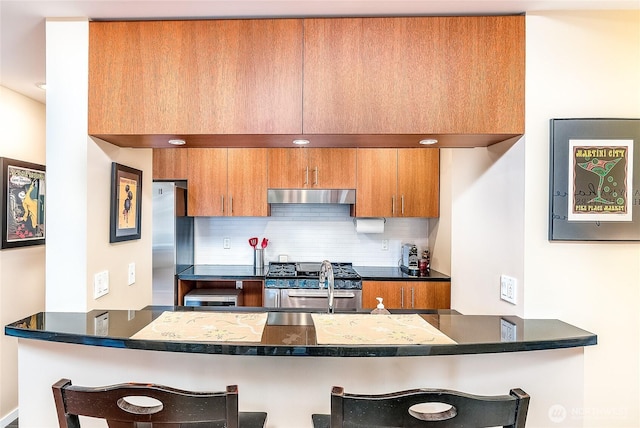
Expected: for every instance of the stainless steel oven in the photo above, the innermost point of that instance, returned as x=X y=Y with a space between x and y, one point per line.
x=296 y=285
x=213 y=297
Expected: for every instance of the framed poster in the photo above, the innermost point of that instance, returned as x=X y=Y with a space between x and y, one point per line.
x=126 y=193
x=23 y=203
x=594 y=180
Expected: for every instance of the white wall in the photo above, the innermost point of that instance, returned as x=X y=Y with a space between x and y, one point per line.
x=306 y=233
x=22 y=121
x=584 y=65
x=78 y=189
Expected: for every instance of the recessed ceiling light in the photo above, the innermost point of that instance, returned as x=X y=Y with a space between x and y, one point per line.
x=428 y=141
x=177 y=142
x=42 y=85
x=301 y=142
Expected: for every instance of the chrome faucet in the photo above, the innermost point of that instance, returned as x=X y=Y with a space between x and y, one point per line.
x=326 y=276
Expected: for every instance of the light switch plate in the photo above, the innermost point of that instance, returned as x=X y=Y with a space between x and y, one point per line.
x=100 y=284
x=508 y=287
x=132 y=274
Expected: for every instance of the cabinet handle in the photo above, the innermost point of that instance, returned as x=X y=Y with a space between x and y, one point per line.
x=306 y=175
x=222 y=203
x=230 y=205
x=413 y=305
x=402 y=204
x=393 y=204
x=402 y=298
x=316 y=183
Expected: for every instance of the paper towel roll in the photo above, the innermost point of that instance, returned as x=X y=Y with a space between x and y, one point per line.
x=369 y=225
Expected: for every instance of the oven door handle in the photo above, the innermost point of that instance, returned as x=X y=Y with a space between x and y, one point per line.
x=337 y=294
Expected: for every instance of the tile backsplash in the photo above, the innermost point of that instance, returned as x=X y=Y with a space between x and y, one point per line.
x=309 y=232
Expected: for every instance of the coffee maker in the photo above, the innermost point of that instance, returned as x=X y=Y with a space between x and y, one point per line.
x=410 y=260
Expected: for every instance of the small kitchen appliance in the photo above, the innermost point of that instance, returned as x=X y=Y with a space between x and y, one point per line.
x=410 y=260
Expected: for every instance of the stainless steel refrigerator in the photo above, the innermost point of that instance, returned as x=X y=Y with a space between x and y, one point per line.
x=172 y=239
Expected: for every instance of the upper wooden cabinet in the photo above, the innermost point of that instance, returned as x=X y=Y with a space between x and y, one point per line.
x=343 y=82
x=235 y=76
x=227 y=182
x=398 y=182
x=309 y=168
x=170 y=164
x=414 y=75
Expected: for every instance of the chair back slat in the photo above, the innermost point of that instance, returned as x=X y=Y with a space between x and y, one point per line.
x=120 y=405
x=459 y=409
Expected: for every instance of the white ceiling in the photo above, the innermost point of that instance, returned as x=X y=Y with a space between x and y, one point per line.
x=22 y=22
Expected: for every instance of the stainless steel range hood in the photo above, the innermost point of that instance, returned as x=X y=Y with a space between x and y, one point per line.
x=311 y=196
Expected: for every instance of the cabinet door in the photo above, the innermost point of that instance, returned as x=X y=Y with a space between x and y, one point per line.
x=247 y=182
x=207 y=182
x=414 y=75
x=288 y=168
x=418 y=182
x=390 y=291
x=429 y=295
x=170 y=164
x=196 y=77
x=376 y=182
x=332 y=168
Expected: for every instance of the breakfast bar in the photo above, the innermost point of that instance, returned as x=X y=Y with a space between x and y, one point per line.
x=286 y=361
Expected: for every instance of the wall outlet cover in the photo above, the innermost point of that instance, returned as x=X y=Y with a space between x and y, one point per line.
x=100 y=284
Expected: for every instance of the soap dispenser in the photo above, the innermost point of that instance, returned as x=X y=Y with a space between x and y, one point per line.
x=380 y=310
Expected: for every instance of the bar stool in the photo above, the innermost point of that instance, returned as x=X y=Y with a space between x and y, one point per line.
x=162 y=405
x=444 y=409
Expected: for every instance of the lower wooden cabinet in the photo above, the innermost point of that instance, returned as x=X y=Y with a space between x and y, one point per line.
x=407 y=294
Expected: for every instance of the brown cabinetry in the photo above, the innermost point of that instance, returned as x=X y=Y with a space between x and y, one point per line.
x=170 y=164
x=239 y=76
x=407 y=294
x=398 y=182
x=311 y=168
x=227 y=182
x=414 y=75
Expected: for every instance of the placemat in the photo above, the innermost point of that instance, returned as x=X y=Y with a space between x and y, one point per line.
x=366 y=329
x=205 y=327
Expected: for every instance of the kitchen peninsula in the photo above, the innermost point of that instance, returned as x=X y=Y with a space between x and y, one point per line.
x=478 y=354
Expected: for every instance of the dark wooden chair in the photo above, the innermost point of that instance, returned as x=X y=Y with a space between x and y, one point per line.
x=397 y=410
x=120 y=406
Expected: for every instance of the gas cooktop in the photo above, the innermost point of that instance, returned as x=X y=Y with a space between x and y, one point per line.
x=306 y=275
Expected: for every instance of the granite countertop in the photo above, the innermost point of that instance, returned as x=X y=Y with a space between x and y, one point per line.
x=240 y=272
x=293 y=333
x=222 y=272
x=393 y=273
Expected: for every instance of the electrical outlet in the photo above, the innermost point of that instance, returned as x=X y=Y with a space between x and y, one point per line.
x=100 y=284
x=508 y=287
x=385 y=245
x=132 y=274
x=226 y=243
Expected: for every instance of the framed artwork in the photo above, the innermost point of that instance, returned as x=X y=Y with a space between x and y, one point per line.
x=594 y=180
x=126 y=193
x=23 y=203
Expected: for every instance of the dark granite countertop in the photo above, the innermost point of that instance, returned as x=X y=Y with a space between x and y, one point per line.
x=393 y=273
x=473 y=334
x=222 y=272
x=240 y=272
